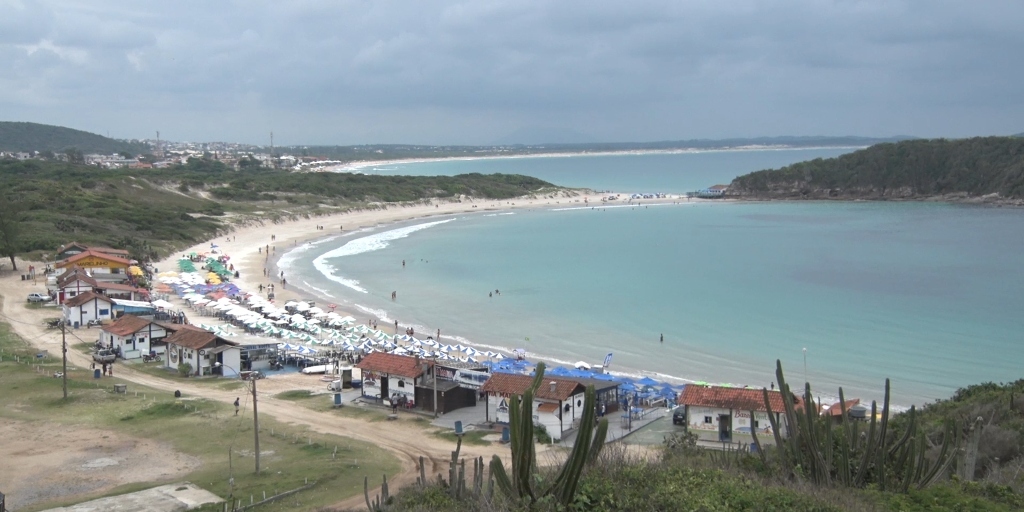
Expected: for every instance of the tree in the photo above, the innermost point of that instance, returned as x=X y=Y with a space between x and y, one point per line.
x=11 y=216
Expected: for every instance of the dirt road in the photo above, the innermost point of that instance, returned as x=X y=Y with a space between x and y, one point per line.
x=406 y=440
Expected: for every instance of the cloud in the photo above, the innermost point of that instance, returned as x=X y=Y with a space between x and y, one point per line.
x=471 y=72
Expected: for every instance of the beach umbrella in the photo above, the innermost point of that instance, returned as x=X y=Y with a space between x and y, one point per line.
x=581 y=365
x=647 y=381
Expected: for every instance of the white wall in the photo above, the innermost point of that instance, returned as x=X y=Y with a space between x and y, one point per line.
x=87 y=312
x=409 y=391
x=233 y=358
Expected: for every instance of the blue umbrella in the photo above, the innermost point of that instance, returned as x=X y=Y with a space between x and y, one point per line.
x=627 y=386
x=647 y=381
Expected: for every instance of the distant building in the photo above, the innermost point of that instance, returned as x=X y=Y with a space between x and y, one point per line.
x=557 y=403
x=87 y=307
x=725 y=410
x=134 y=336
x=392 y=377
x=101 y=266
x=203 y=350
x=73 y=248
x=713 y=192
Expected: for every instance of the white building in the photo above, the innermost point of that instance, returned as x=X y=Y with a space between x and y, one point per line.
x=557 y=403
x=202 y=350
x=723 y=411
x=87 y=307
x=392 y=377
x=133 y=336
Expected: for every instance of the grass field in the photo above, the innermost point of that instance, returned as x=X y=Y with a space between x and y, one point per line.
x=203 y=429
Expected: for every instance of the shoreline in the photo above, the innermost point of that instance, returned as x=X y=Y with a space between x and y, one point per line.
x=239 y=243
x=356 y=166
x=304 y=233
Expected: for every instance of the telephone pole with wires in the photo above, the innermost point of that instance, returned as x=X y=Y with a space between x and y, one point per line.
x=64 y=356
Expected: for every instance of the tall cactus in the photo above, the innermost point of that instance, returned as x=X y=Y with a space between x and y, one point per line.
x=589 y=441
x=383 y=500
x=855 y=458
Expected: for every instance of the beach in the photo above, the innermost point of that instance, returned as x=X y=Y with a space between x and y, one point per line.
x=360 y=165
x=246 y=246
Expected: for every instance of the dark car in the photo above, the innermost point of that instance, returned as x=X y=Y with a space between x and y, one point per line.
x=679 y=416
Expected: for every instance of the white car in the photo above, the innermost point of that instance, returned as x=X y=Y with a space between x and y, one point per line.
x=39 y=297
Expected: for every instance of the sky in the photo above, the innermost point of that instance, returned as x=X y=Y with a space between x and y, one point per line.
x=502 y=71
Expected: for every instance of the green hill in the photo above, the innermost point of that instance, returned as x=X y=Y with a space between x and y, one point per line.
x=965 y=169
x=17 y=136
x=155 y=211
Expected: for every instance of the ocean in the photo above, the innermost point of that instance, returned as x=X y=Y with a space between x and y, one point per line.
x=845 y=294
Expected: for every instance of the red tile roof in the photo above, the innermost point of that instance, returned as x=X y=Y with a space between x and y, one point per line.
x=196 y=338
x=107 y=250
x=118 y=287
x=836 y=409
x=126 y=325
x=516 y=384
x=75 y=273
x=392 y=364
x=741 y=399
x=93 y=253
x=83 y=298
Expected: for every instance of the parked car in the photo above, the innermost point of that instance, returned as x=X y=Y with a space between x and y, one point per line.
x=39 y=297
x=104 y=356
x=679 y=416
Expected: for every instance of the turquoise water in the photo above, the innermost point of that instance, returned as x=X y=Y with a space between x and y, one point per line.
x=926 y=294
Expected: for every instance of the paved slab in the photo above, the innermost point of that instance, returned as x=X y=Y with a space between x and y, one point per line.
x=166 y=498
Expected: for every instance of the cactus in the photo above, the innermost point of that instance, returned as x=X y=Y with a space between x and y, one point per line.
x=456 y=478
x=589 y=441
x=856 y=458
x=382 y=502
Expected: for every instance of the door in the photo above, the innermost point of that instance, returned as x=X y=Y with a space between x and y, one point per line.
x=384 y=394
x=725 y=428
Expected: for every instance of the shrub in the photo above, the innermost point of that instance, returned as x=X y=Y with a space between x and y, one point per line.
x=184 y=369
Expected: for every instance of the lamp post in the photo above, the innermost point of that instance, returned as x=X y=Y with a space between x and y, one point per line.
x=255 y=416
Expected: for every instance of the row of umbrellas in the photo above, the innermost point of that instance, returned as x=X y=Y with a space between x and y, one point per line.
x=314 y=329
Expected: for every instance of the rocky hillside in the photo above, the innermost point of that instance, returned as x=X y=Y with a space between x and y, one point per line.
x=983 y=169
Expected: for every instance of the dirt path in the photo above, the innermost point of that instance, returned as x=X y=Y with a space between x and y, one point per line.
x=406 y=440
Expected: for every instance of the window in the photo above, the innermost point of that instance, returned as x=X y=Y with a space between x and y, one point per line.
x=707 y=420
x=757 y=424
x=401 y=383
x=104 y=312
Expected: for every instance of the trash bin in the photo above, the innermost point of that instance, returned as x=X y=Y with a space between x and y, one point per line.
x=337 y=399
x=458 y=428
x=96 y=373
x=504 y=435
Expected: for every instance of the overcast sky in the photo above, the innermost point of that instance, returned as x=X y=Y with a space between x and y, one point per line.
x=479 y=71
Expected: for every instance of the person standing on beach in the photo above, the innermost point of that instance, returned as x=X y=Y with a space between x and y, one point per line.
x=236 y=406
x=403 y=263
x=663 y=337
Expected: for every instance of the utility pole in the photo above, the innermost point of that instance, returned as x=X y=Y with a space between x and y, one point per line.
x=434 y=370
x=64 y=356
x=255 y=422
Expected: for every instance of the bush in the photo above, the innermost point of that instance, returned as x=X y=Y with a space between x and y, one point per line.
x=184 y=369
